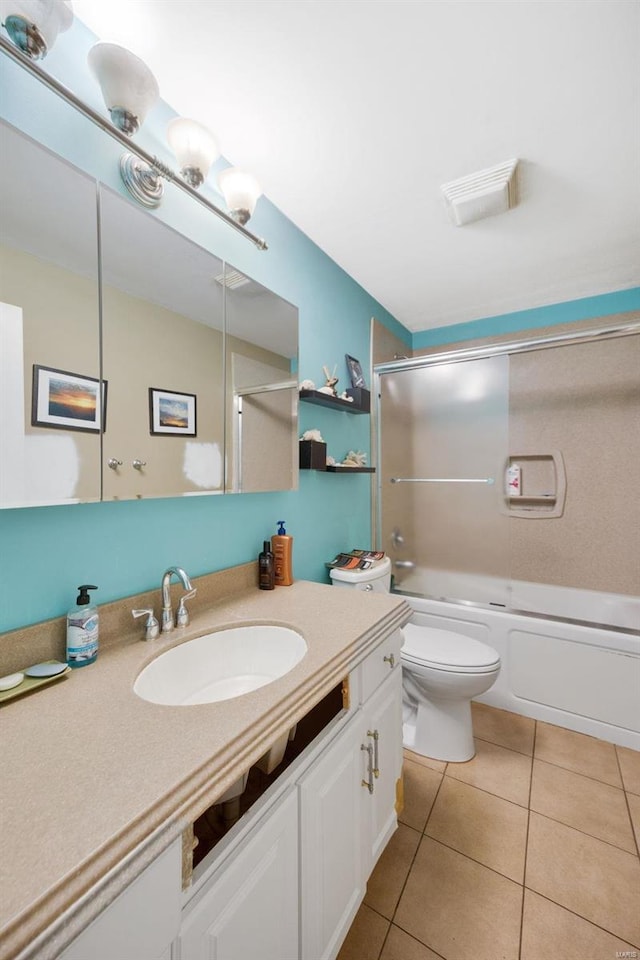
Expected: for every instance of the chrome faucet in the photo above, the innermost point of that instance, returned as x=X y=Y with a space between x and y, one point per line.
x=167 y=611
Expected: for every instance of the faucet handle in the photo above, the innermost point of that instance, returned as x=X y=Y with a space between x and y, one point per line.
x=152 y=627
x=182 y=614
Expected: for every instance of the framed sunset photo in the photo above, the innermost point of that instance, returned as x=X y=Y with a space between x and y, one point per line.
x=67 y=401
x=171 y=414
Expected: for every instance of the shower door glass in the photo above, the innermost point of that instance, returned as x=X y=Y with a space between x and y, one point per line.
x=446 y=423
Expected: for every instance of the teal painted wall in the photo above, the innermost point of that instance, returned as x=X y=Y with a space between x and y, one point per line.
x=125 y=547
x=571 y=311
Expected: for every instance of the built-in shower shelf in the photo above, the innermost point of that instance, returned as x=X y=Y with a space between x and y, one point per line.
x=339 y=468
x=543 y=486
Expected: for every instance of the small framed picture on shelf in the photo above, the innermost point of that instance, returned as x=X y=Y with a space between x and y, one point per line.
x=67 y=401
x=171 y=414
x=355 y=371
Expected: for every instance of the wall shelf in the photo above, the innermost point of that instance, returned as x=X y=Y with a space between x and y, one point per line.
x=539 y=472
x=359 y=404
x=338 y=468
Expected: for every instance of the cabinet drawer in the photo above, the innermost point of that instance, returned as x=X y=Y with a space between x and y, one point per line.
x=379 y=664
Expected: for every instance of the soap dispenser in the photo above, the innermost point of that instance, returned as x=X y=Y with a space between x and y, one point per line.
x=82 y=629
x=282 y=546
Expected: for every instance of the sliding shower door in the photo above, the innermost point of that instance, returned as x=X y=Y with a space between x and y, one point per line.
x=442 y=517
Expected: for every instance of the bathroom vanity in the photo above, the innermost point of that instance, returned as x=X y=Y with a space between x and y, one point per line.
x=105 y=789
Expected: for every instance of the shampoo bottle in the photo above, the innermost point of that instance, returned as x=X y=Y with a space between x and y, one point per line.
x=266 y=568
x=514 y=480
x=82 y=629
x=282 y=546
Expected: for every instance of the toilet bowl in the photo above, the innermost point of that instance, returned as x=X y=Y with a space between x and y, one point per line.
x=441 y=672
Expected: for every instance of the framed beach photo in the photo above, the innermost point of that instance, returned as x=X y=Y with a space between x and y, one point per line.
x=67 y=401
x=355 y=371
x=171 y=414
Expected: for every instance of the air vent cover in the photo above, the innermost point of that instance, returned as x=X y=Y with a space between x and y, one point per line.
x=232 y=279
x=482 y=194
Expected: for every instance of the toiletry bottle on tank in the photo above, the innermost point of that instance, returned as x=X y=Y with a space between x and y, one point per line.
x=282 y=547
x=82 y=629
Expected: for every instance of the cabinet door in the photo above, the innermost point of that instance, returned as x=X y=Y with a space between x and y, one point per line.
x=249 y=910
x=383 y=718
x=143 y=921
x=332 y=884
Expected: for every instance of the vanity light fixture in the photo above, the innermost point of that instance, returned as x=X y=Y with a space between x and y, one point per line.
x=241 y=192
x=129 y=90
x=34 y=25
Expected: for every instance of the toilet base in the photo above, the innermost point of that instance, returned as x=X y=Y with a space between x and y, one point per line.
x=440 y=729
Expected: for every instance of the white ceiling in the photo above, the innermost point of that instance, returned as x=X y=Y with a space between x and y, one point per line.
x=352 y=113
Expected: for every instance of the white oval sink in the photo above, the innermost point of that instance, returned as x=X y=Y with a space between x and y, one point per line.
x=221 y=665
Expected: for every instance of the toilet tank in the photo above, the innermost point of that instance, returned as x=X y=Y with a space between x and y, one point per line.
x=376 y=578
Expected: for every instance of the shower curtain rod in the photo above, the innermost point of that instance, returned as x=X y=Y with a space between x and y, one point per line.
x=511 y=346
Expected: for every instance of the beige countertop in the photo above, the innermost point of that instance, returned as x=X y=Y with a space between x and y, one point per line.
x=97 y=782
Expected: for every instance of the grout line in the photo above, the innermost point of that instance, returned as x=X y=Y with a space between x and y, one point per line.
x=489 y=792
x=522 y=753
x=579 y=773
x=526 y=843
x=592 y=836
x=573 y=913
x=636 y=838
x=473 y=860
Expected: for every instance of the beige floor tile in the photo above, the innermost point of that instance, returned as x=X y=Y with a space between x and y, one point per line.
x=366 y=936
x=550 y=932
x=630 y=766
x=503 y=727
x=634 y=810
x=439 y=765
x=588 y=805
x=420 y=787
x=389 y=876
x=458 y=908
x=577 y=752
x=503 y=772
x=400 y=946
x=482 y=826
x=597 y=881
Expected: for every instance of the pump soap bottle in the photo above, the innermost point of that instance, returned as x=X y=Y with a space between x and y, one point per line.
x=82 y=629
x=266 y=568
x=282 y=546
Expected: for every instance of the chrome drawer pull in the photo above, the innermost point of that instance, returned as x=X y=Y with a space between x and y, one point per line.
x=376 y=737
x=368 y=783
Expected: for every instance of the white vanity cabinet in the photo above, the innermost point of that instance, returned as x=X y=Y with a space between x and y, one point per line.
x=288 y=883
x=248 y=909
x=142 y=922
x=347 y=805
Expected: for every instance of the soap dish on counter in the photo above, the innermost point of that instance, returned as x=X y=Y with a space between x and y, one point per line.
x=33 y=677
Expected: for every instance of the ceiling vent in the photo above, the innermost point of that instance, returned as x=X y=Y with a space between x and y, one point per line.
x=232 y=279
x=482 y=194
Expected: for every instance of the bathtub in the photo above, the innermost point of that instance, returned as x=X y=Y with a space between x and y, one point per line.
x=577 y=665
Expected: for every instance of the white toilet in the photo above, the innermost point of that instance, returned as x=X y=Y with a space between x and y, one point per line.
x=441 y=672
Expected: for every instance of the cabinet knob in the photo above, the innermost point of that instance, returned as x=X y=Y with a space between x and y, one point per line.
x=139 y=464
x=113 y=464
x=391 y=660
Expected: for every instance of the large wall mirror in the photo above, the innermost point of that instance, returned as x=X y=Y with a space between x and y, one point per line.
x=50 y=398
x=198 y=362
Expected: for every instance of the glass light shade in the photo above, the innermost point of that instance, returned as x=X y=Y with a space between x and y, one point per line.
x=195 y=148
x=34 y=25
x=241 y=191
x=128 y=86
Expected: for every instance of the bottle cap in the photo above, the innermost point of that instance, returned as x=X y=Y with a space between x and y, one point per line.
x=83 y=596
x=281 y=530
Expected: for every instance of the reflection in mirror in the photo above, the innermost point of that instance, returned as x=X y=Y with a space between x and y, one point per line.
x=50 y=397
x=262 y=387
x=162 y=334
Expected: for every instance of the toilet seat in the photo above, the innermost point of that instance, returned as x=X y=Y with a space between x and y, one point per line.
x=446 y=650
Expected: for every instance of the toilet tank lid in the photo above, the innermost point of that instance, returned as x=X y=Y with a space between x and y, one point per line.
x=445 y=647
x=381 y=568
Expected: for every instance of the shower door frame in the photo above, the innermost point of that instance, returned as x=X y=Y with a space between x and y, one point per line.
x=460 y=355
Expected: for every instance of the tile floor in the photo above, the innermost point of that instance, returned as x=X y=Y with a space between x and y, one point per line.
x=527 y=852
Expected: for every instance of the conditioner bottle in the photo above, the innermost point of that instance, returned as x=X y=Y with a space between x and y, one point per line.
x=266 y=568
x=282 y=546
